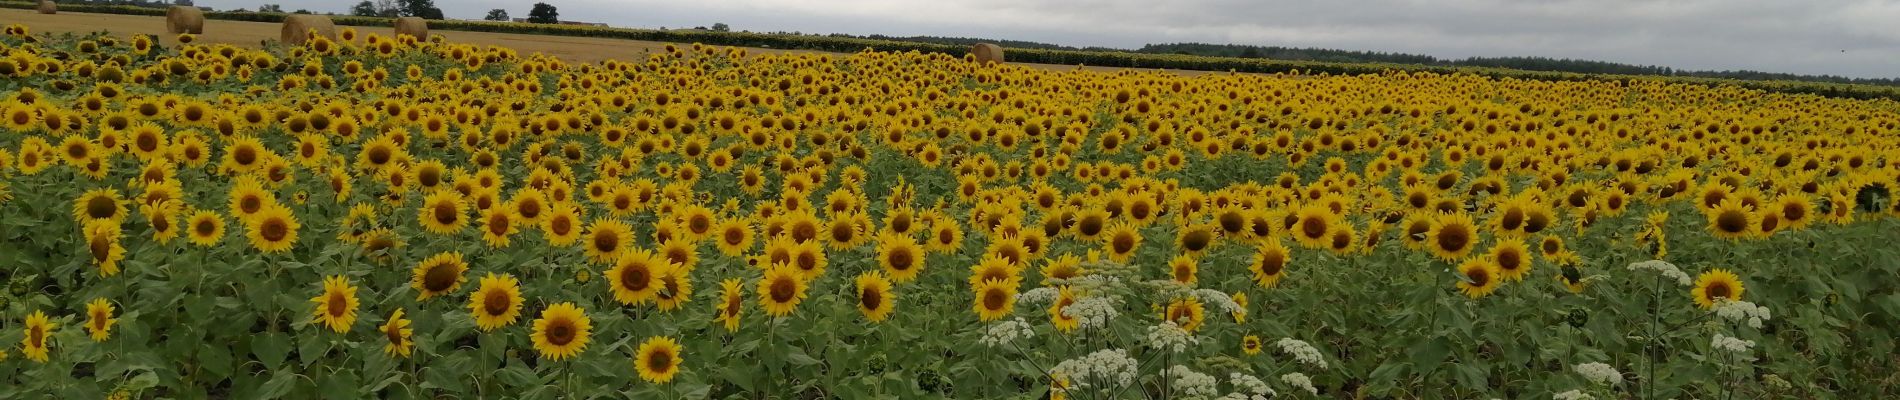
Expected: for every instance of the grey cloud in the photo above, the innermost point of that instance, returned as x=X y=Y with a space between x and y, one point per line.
x=1837 y=37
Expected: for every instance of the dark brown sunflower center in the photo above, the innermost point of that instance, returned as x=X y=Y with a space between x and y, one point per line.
x=660 y=361
x=1196 y=240
x=1453 y=238
x=1512 y=219
x=336 y=305
x=1732 y=221
x=204 y=227
x=440 y=277
x=560 y=332
x=1123 y=243
x=274 y=229
x=101 y=207
x=871 y=298
x=1478 y=276
x=900 y=259
x=1510 y=260
x=394 y=332
x=1231 y=222
x=1719 y=290
x=635 y=277
x=783 y=290
x=994 y=299
x=1313 y=227
x=496 y=302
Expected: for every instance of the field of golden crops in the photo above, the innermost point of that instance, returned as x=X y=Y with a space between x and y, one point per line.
x=374 y=217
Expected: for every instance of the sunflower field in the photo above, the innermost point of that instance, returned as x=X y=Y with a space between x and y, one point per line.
x=377 y=217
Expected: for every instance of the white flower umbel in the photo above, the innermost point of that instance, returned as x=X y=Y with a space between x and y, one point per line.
x=1573 y=395
x=1302 y=351
x=1192 y=384
x=1221 y=300
x=1006 y=332
x=1725 y=342
x=1111 y=368
x=1037 y=296
x=1170 y=337
x=1245 y=385
x=1094 y=311
x=1599 y=373
x=1742 y=311
x=1665 y=268
x=1299 y=381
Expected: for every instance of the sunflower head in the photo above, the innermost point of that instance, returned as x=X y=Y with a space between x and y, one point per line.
x=1716 y=286
x=562 y=332
x=875 y=299
x=1478 y=277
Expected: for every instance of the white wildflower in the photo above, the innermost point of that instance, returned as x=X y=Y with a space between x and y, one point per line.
x=1170 y=337
x=1094 y=311
x=1599 y=373
x=1110 y=367
x=1300 y=381
x=1249 y=384
x=1742 y=311
x=1006 y=332
x=1192 y=384
x=1037 y=296
x=1725 y=342
x=1665 y=268
x=1302 y=351
x=1573 y=395
x=1218 y=299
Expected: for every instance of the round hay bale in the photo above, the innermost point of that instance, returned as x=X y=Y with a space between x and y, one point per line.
x=183 y=19
x=297 y=28
x=47 y=7
x=413 y=26
x=987 y=53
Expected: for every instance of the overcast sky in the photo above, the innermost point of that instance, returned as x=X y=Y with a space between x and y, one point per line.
x=1859 y=38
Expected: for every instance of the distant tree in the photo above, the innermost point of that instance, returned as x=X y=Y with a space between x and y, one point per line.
x=497 y=15
x=301 y=11
x=543 y=13
x=388 y=8
x=365 y=9
x=424 y=9
x=1250 y=52
x=186 y=3
x=721 y=27
x=270 y=8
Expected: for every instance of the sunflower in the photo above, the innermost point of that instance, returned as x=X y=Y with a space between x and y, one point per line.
x=99 y=205
x=562 y=331
x=731 y=303
x=993 y=299
x=1731 y=220
x=809 y=258
x=1251 y=345
x=443 y=212
x=561 y=226
x=781 y=290
x=1512 y=259
x=1797 y=211
x=1478 y=277
x=1090 y=223
x=102 y=241
x=698 y=221
x=606 y=239
x=1715 y=286
x=1121 y=240
x=875 y=299
x=163 y=219
x=1568 y=272
x=1184 y=269
x=205 y=228
x=496 y=302
x=658 y=359
x=497 y=225
x=1269 y=263
x=273 y=230
x=634 y=277
x=1313 y=225
x=844 y=232
x=1452 y=236
x=1065 y=267
x=38 y=337
x=675 y=287
x=945 y=236
x=1059 y=311
x=336 y=307
x=99 y=319
x=76 y=150
x=1187 y=312
x=398 y=332
x=900 y=256
x=682 y=253
x=735 y=236
x=438 y=275
x=993 y=267
x=1197 y=238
